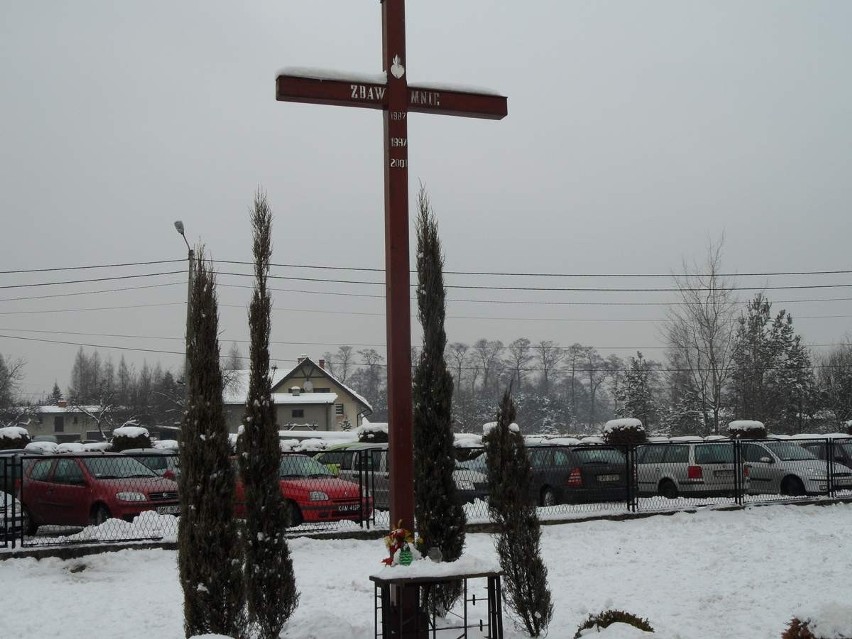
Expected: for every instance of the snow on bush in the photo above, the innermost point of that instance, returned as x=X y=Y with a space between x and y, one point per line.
x=609 y=618
x=746 y=429
x=288 y=445
x=372 y=433
x=130 y=431
x=487 y=428
x=624 y=431
x=831 y=621
x=125 y=437
x=166 y=444
x=13 y=437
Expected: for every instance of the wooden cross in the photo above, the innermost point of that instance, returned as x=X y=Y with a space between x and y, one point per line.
x=392 y=94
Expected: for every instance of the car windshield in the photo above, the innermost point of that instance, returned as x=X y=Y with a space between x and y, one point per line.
x=599 y=455
x=117 y=467
x=302 y=466
x=788 y=451
x=477 y=463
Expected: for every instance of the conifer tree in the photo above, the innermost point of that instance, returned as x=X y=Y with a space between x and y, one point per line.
x=271 y=594
x=437 y=505
x=209 y=557
x=519 y=532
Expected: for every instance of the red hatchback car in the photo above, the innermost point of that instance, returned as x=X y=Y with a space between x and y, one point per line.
x=314 y=493
x=91 y=488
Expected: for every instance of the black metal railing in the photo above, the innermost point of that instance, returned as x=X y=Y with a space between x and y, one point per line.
x=70 y=498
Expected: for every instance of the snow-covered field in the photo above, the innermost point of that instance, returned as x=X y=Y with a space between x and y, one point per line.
x=702 y=575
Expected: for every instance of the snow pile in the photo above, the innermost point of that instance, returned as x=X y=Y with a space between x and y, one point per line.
x=14 y=433
x=130 y=432
x=48 y=448
x=166 y=444
x=288 y=445
x=626 y=423
x=487 y=428
x=745 y=425
x=71 y=447
x=467 y=564
x=467 y=440
x=312 y=445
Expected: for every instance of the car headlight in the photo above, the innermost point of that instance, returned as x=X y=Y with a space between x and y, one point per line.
x=318 y=495
x=130 y=496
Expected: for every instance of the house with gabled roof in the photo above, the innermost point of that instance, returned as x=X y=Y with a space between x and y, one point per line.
x=307 y=397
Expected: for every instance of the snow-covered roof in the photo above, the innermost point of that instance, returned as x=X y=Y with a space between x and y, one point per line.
x=236 y=390
x=61 y=410
x=280 y=399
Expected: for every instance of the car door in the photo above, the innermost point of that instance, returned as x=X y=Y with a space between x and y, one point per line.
x=68 y=496
x=35 y=487
x=649 y=467
x=761 y=469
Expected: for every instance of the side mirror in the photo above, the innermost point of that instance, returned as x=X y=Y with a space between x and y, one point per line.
x=767 y=460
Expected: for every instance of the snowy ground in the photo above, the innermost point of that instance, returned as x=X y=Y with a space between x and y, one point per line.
x=708 y=574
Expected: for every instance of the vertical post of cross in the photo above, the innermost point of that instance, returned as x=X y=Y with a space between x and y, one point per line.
x=397 y=269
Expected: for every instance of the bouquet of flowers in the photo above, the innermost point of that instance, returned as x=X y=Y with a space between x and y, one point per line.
x=400 y=545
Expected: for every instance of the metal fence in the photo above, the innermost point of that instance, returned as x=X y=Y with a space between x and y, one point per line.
x=97 y=497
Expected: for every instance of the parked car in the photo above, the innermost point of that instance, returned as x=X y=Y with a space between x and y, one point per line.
x=841 y=447
x=166 y=463
x=369 y=464
x=11 y=463
x=12 y=518
x=689 y=468
x=577 y=474
x=90 y=488
x=314 y=493
x=786 y=468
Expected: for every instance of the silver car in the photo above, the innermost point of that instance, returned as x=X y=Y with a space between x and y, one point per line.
x=784 y=467
x=689 y=468
x=370 y=466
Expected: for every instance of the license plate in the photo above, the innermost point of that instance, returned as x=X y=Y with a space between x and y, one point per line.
x=168 y=510
x=723 y=473
x=608 y=477
x=348 y=507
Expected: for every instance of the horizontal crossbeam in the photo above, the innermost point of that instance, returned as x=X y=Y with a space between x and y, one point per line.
x=367 y=95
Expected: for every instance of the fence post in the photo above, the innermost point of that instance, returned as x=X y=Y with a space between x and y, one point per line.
x=632 y=474
x=739 y=470
x=829 y=469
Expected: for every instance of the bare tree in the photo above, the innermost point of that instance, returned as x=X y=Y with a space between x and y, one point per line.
x=344 y=362
x=597 y=371
x=457 y=354
x=549 y=355
x=519 y=358
x=700 y=331
x=487 y=352
x=11 y=373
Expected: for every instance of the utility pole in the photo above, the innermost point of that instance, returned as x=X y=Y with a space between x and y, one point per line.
x=191 y=260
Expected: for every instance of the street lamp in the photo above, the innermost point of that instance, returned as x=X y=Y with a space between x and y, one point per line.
x=191 y=260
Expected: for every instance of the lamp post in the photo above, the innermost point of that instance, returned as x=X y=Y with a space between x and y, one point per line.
x=191 y=260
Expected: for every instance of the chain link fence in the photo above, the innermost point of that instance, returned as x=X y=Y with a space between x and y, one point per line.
x=111 y=497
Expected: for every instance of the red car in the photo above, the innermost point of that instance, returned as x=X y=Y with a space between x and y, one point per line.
x=90 y=488
x=314 y=493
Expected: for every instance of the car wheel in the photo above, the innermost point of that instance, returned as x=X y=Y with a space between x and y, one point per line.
x=99 y=515
x=792 y=487
x=294 y=515
x=668 y=489
x=548 y=497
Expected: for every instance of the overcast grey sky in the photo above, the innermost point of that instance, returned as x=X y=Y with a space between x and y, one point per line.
x=637 y=131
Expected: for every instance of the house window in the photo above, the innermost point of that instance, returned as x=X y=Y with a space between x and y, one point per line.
x=298 y=412
x=75 y=419
x=322 y=390
x=338 y=409
x=59 y=424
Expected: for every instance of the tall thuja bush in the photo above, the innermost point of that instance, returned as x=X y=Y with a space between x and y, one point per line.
x=271 y=594
x=437 y=506
x=519 y=532
x=209 y=557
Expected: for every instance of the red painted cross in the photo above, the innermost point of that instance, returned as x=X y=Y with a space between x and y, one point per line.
x=392 y=94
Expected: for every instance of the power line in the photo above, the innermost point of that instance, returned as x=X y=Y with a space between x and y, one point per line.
x=78 y=293
x=86 y=281
x=92 y=266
